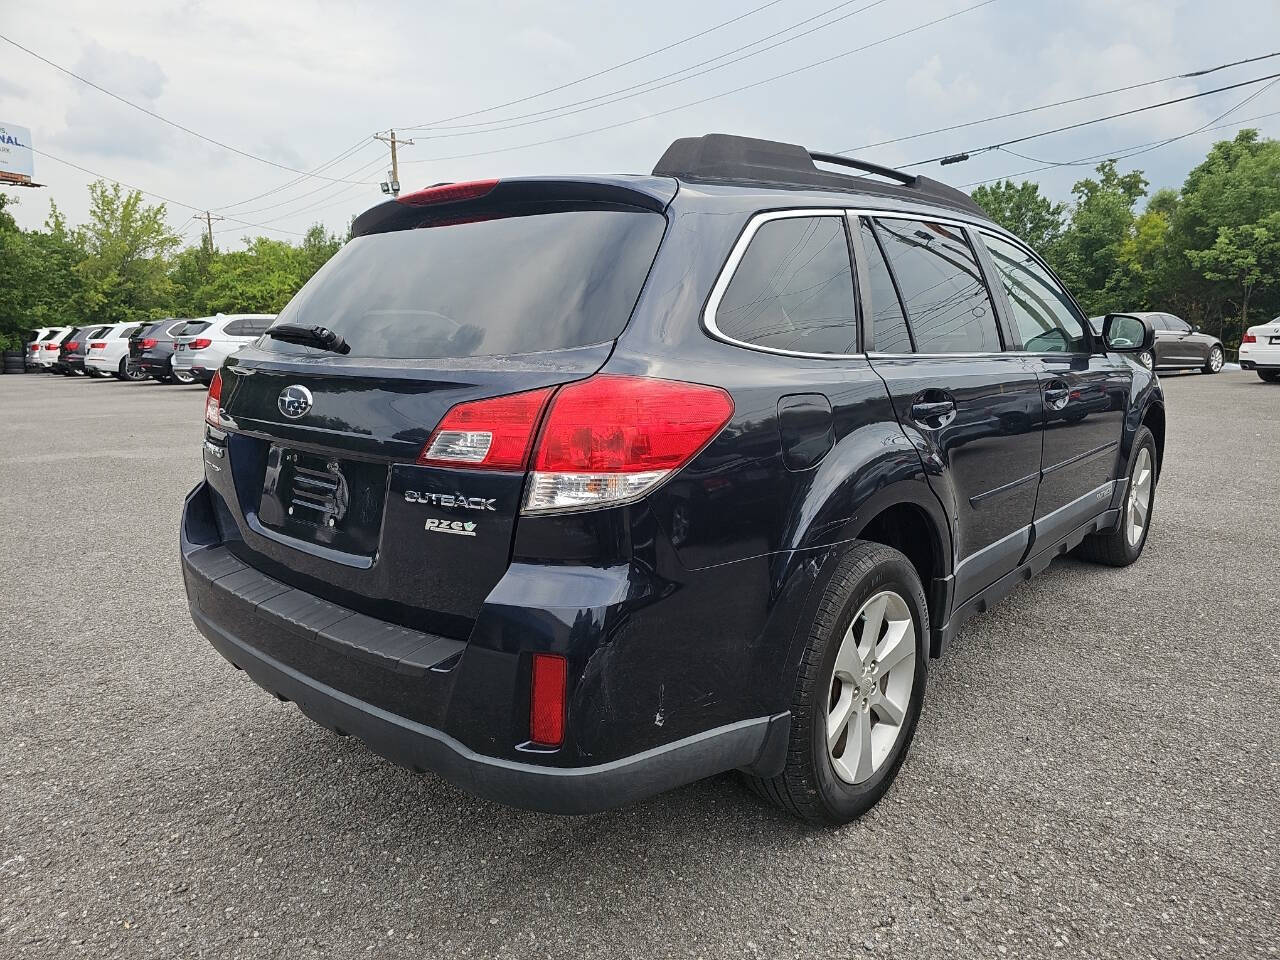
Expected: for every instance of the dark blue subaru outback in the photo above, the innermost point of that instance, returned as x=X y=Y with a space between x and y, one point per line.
x=576 y=489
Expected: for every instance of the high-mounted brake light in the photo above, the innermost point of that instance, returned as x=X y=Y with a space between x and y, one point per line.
x=547 y=699
x=149 y=343
x=199 y=343
x=213 y=401
x=1248 y=338
x=492 y=434
x=98 y=345
x=610 y=439
x=448 y=193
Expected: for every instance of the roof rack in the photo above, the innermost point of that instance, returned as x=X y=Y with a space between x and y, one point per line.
x=721 y=156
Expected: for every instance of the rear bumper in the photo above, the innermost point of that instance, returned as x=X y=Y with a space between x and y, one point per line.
x=150 y=366
x=257 y=623
x=1260 y=356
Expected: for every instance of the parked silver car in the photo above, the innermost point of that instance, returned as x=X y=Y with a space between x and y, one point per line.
x=201 y=346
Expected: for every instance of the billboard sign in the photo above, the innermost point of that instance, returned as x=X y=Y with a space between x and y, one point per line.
x=16 y=162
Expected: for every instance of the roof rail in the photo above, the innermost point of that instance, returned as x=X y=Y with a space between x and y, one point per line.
x=720 y=156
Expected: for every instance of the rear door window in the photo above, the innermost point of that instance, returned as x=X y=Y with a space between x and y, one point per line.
x=1047 y=320
x=793 y=289
x=942 y=288
x=495 y=286
x=888 y=323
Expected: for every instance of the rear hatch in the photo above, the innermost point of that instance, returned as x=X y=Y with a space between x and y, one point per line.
x=186 y=334
x=441 y=302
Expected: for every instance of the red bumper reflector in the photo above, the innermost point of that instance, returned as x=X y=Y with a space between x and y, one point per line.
x=546 y=700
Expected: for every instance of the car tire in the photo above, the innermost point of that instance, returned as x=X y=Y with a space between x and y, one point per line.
x=1270 y=376
x=1121 y=547
x=133 y=376
x=179 y=375
x=1215 y=361
x=833 y=780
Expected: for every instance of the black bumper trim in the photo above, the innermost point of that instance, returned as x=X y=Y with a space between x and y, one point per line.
x=759 y=744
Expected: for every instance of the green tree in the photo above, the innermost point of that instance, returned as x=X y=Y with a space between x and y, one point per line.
x=1245 y=257
x=1090 y=255
x=1022 y=210
x=127 y=245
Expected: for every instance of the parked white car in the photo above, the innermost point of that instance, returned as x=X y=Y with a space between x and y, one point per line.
x=45 y=352
x=1260 y=350
x=109 y=353
x=202 y=345
x=33 y=346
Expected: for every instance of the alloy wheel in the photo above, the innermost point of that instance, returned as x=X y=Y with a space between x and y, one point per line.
x=871 y=687
x=1138 y=505
x=1146 y=359
x=1215 y=359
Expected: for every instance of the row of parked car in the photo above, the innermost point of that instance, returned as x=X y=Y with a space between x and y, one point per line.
x=172 y=350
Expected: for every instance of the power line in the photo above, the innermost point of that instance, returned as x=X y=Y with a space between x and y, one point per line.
x=1122 y=153
x=158 y=196
x=966 y=154
x=599 y=73
x=1059 y=103
x=717 y=96
x=654 y=84
x=152 y=113
x=350 y=151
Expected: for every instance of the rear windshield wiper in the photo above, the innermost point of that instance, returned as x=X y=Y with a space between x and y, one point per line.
x=320 y=337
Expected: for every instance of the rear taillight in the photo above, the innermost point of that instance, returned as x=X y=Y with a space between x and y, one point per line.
x=213 y=401
x=1248 y=338
x=51 y=346
x=611 y=439
x=547 y=700
x=73 y=345
x=448 y=193
x=149 y=343
x=199 y=343
x=99 y=345
x=493 y=434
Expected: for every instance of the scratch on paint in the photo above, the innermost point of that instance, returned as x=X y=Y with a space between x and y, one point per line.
x=660 y=717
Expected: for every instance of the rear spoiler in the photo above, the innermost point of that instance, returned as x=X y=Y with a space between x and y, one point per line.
x=455 y=202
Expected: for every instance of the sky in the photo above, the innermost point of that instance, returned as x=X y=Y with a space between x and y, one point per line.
x=304 y=83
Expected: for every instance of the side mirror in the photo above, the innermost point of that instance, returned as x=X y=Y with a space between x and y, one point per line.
x=1125 y=333
x=1195 y=328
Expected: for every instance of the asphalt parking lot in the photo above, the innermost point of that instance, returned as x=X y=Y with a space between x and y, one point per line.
x=1097 y=771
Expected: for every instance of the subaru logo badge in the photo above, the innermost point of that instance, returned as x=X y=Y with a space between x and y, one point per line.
x=294 y=401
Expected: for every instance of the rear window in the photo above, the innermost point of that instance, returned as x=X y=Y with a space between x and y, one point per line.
x=504 y=286
x=191 y=329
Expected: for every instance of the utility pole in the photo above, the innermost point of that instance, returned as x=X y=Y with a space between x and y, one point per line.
x=392 y=186
x=208 y=222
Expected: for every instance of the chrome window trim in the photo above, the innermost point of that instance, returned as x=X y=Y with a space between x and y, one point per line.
x=753 y=226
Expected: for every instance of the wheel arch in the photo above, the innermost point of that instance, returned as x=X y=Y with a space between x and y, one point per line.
x=1154 y=420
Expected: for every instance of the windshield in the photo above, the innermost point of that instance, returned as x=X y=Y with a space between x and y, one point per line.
x=509 y=285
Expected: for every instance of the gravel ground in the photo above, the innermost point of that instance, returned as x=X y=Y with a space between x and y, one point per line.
x=1095 y=773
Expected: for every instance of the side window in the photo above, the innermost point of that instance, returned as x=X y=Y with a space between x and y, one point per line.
x=888 y=323
x=1157 y=321
x=237 y=328
x=793 y=289
x=260 y=326
x=1176 y=324
x=1046 y=318
x=947 y=302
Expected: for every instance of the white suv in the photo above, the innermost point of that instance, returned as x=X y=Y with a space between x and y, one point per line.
x=201 y=346
x=43 y=352
x=109 y=353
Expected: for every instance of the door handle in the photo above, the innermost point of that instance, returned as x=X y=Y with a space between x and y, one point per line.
x=1056 y=395
x=933 y=414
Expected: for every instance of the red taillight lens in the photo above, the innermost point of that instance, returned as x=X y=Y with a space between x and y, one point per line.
x=493 y=434
x=213 y=401
x=199 y=343
x=149 y=343
x=98 y=345
x=73 y=345
x=1248 y=338
x=51 y=346
x=546 y=700
x=448 y=193
x=612 y=439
